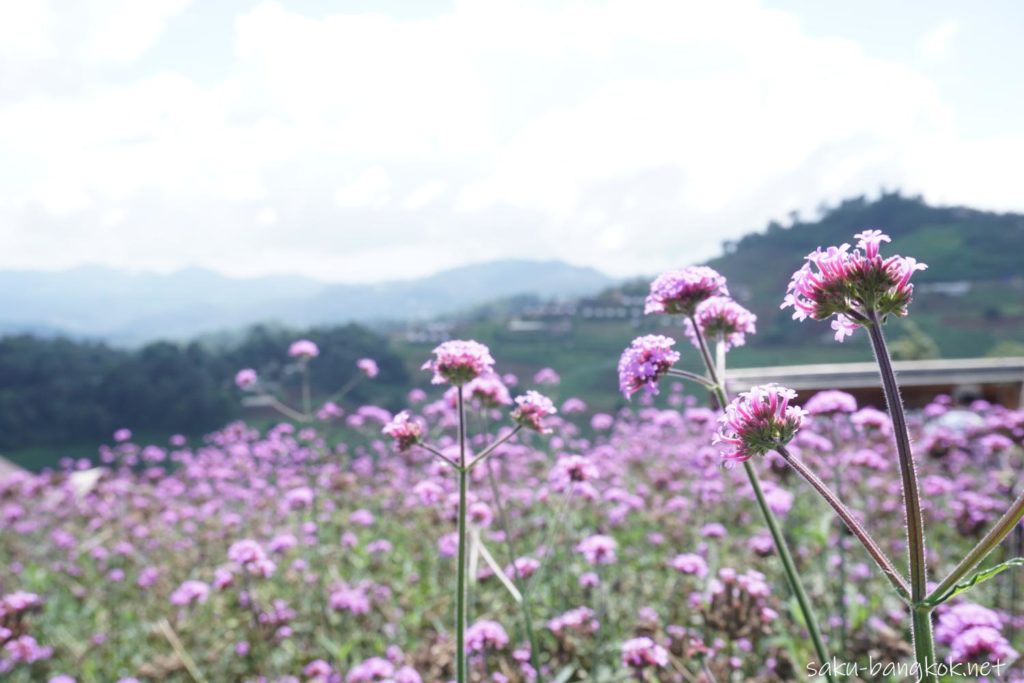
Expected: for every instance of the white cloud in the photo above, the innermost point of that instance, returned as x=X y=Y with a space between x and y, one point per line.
x=371 y=188
x=937 y=43
x=629 y=135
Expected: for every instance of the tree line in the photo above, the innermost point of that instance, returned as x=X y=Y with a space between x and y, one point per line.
x=56 y=391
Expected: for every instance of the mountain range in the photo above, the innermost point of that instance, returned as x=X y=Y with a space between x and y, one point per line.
x=132 y=308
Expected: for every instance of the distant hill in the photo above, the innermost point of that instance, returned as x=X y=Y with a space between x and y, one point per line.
x=131 y=308
x=970 y=301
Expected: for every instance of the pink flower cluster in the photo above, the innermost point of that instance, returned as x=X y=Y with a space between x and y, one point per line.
x=644 y=362
x=973 y=634
x=303 y=349
x=485 y=635
x=830 y=402
x=721 y=318
x=368 y=367
x=246 y=378
x=598 y=549
x=758 y=421
x=641 y=653
x=852 y=284
x=250 y=556
x=459 y=361
x=682 y=289
x=578 y=620
x=531 y=408
x=405 y=431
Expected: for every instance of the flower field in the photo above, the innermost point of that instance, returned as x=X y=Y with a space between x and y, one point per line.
x=594 y=547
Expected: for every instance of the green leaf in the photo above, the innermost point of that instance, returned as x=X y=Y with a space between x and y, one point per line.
x=978 y=577
x=565 y=674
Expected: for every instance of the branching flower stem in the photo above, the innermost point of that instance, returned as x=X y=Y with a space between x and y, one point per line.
x=789 y=567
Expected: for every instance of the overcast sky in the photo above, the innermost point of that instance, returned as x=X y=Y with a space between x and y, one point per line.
x=360 y=141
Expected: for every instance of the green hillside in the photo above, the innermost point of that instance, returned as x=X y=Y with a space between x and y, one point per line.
x=970 y=302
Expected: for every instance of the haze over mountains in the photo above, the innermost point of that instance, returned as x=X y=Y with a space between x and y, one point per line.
x=131 y=308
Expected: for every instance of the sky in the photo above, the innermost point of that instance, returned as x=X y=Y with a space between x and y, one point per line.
x=367 y=141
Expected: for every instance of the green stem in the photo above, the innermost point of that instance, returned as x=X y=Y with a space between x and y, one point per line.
x=789 y=567
x=307 y=400
x=1007 y=523
x=524 y=604
x=792 y=576
x=837 y=482
x=876 y=553
x=460 y=597
x=924 y=645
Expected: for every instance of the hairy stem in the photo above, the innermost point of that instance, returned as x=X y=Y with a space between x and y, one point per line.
x=924 y=645
x=876 y=553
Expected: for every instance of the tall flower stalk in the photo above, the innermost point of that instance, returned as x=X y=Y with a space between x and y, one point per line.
x=796 y=585
x=701 y=295
x=859 y=288
x=924 y=642
x=460 y=591
x=459 y=363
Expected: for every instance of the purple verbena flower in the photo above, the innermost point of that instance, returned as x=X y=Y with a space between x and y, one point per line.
x=531 y=408
x=641 y=653
x=852 y=284
x=368 y=367
x=682 y=289
x=405 y=431
x=758 y=421
x=246 y=378
x=829 y=402
x=485 y=635
x=303 y=349
x=721 y=318
x=644 y=362
x=598 y=549
x=459 y=361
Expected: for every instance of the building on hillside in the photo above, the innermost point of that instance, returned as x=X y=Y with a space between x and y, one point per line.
x=997 y=380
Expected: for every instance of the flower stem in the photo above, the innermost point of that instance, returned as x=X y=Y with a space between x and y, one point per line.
x=883 y=562
x=490 y=449
x=924 y=645
x=986 y=545
x=307 y=400
x=789 y=567
x=524 y=604
x=460 y=597
x=837 y=482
